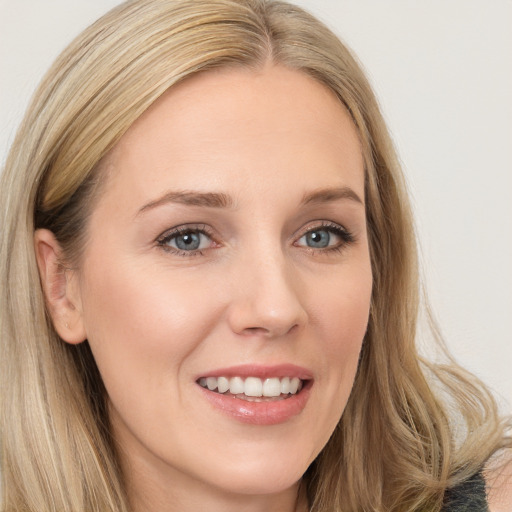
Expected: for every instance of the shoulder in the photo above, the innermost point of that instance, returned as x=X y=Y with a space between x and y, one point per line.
x=498 y=479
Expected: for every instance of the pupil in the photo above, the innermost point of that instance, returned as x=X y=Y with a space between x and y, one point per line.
x=188 y=241
x=318 y=239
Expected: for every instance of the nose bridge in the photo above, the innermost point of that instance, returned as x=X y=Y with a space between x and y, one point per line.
x=267 y=300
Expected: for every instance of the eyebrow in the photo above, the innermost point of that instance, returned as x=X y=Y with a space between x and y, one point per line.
x=327 y=195
x=204 y=199
x=220 y=200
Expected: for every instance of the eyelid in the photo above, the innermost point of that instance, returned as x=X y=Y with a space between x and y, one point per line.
x=181 y=229
x=347 y=237
x=319 y=224
x=176 y=231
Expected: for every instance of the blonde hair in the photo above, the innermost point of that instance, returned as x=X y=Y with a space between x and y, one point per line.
x=394 y=447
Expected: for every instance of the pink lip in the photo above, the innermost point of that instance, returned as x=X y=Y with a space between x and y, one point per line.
x=263 y=372
x=260 y=413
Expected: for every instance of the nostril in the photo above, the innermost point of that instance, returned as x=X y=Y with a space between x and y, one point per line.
x=269 y=331
x=256 y=330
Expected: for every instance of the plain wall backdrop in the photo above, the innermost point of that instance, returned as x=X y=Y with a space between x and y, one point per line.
x=441 y=70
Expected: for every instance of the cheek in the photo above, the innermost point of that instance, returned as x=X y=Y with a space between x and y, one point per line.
x=342 y=317
x=141 y=326
x=344 y=311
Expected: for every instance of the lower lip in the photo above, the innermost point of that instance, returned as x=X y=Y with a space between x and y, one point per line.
x=260 y=413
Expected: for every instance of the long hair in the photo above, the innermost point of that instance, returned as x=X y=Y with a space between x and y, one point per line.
x=395 y=447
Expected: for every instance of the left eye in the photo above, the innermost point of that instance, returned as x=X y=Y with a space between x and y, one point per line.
x=188 y=241
x=321 y=238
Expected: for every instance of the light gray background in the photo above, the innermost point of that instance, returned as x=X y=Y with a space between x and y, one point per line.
x=442 y=71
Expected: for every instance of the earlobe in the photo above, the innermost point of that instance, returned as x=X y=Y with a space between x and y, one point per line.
x=60 y=287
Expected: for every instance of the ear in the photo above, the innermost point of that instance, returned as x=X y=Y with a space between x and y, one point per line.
x=61 y=288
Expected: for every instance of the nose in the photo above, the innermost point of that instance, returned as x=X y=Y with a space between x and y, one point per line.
x=266 y=299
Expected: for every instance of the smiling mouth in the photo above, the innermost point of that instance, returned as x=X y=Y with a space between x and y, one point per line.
x=254 y=389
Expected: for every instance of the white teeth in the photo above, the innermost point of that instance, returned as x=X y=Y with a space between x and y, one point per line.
x=272 y=387
x=285 y=385
x=294 y=385
x=253 y=386
x=236 y=385
x=222 y=384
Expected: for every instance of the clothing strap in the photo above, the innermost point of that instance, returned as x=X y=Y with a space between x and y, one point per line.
x=469 y=496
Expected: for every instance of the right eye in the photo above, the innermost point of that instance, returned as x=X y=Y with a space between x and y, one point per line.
x=186 y=241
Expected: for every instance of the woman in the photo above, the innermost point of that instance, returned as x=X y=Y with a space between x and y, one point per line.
x=204 y=217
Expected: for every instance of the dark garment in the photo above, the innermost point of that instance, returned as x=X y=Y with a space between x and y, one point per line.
x=469 y=496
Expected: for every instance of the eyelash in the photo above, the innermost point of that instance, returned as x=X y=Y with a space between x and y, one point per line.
x=163 y=240
x=346 y=237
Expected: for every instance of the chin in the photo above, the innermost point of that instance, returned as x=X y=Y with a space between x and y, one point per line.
x=267 y=481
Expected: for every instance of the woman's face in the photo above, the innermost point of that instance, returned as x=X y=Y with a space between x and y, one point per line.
x=229 y=248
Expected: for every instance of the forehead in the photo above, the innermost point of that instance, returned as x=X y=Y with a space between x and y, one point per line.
x=239 y=127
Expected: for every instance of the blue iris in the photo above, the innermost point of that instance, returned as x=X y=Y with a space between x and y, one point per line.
x=188 y=241
x=319 y=239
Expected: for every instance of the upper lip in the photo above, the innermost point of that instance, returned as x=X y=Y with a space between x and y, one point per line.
x=261 y=371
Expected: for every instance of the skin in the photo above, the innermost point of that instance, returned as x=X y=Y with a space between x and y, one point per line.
x=498 y=477
x=255 y=293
